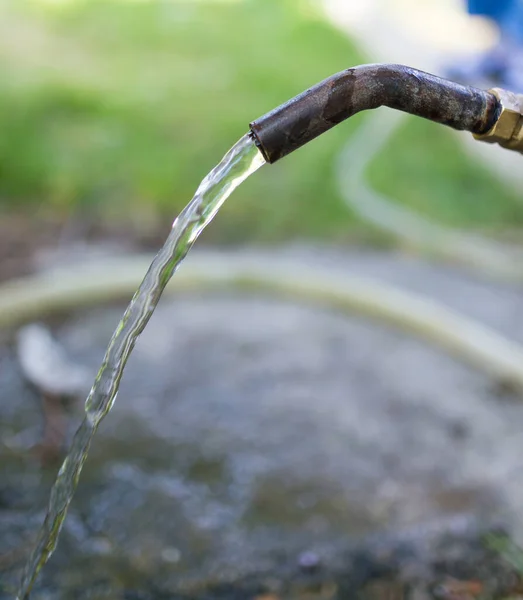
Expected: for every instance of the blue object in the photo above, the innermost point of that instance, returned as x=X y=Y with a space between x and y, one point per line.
x=501 y=65
x=494 y=9
x=508 y=15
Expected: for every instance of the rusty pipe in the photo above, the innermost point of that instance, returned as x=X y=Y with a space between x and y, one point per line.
x=345 y=94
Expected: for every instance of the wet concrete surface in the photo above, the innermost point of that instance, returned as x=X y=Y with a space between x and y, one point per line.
x=262 y=448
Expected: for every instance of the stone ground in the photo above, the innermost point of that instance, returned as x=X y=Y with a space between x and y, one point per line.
x=263 y=448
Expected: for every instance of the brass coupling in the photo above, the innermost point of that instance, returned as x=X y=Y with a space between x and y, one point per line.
x=508 y=129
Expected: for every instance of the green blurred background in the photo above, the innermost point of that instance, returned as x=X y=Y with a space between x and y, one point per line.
x=112 y=112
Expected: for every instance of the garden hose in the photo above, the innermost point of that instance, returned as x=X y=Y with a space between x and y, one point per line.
x=80 y=286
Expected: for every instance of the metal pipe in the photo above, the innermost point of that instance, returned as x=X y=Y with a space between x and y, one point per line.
x=345 y=94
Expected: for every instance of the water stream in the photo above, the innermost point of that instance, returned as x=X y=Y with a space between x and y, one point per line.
x=240 y=162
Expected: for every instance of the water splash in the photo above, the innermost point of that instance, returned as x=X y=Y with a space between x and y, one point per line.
x=240 y=162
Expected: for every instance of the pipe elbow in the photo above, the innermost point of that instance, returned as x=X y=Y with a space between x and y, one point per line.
x=349 y=92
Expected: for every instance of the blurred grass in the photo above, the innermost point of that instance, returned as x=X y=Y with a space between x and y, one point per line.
x=433 y=175
x=119 y=109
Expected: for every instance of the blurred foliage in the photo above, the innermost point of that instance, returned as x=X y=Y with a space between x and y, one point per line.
x=431 y=173
x=120 y=109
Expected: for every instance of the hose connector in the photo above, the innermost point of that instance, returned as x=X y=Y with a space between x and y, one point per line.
x=508 y=129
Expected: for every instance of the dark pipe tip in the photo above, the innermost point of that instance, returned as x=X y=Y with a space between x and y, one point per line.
x=345 y=94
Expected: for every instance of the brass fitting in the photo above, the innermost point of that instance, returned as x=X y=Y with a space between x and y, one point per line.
x=508 y=129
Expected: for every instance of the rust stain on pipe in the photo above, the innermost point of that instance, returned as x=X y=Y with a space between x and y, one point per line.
x=345 y=94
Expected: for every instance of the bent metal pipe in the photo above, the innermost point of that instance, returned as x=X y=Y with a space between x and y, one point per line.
x=492 y=116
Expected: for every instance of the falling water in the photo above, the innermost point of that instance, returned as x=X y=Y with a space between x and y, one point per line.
x=240 y=162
